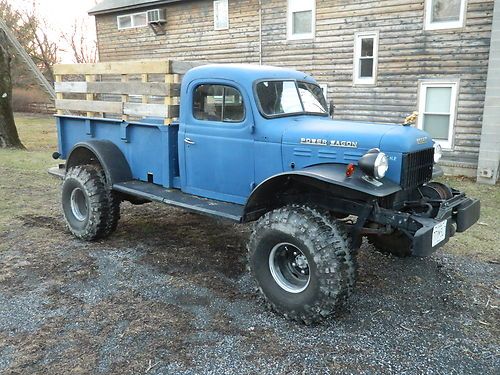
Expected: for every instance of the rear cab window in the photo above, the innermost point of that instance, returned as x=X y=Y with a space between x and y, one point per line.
x=221 y=103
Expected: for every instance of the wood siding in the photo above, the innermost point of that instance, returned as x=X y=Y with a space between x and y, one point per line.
x=407 y=54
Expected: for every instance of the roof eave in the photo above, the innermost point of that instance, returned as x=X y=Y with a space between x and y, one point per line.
x=129 y=7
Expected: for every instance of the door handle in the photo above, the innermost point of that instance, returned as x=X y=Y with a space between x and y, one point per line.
x=189 y=141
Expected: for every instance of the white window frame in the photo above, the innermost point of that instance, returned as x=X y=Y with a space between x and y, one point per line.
x=357 y=80
x=422 y=94
x=217 y=4
x=294 y=6
x=429 y=25
x=131 y=16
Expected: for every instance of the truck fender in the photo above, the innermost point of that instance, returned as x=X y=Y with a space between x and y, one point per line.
x=106 y=153
x=325 y=178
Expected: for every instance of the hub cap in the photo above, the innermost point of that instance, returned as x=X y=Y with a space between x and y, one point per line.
x=79 y=204
x=289 y=267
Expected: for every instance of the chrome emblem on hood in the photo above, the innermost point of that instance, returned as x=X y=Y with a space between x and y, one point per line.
x=325 y=142
x=422 y=140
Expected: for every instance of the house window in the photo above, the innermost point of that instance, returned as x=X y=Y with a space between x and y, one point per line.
x=129 y=21
x=221 y=15
x=365 y=58
x=301 y=19
x=444 y=14
x=437 y=104
x=218 y=103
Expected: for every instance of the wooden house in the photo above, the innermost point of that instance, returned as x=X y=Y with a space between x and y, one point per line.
x=378 y=60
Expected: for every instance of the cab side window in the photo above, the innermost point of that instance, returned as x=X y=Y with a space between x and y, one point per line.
x=218 y=103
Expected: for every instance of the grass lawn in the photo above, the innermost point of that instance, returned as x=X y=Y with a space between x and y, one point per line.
x=27 y=189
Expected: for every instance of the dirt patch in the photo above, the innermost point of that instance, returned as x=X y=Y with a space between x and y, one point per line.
x=41 y=221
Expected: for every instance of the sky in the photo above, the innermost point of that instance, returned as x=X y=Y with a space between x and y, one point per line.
x=60 y=16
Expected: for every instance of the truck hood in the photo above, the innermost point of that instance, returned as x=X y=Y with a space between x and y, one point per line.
x=354 y=136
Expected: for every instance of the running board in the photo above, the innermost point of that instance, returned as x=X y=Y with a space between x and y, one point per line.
x=177 y=198
x=59 y=171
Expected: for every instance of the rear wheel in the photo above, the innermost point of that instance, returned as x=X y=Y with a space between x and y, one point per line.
x=292 y=255
x=90 y=207
x=113 y=203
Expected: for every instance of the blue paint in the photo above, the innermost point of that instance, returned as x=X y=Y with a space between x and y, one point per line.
x=227 y=160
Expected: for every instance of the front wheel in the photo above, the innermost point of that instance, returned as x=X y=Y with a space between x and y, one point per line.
x=293 y=257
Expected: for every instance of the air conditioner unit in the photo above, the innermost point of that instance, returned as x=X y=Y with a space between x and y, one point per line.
x=157 y=16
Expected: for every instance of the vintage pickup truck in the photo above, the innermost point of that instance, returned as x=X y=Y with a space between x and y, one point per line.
x=255 y=143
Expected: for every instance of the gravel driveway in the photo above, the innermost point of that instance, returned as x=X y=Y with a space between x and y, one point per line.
x=169 y=294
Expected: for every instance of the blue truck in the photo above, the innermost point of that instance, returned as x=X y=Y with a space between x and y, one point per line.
x=259 y=144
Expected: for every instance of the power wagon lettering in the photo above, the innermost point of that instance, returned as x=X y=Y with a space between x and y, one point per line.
x=324 y=142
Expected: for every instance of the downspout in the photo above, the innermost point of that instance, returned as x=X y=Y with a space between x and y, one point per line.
x=260 y=32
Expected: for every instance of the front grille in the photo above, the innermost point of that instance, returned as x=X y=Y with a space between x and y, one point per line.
x=417 y=168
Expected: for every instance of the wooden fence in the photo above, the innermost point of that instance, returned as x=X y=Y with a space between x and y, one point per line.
x=131 y=89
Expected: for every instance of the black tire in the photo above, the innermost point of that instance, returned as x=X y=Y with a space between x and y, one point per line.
x=113 y=203
x=85 y=202
x=397 y=244
x=348 y=255
x=297 y=229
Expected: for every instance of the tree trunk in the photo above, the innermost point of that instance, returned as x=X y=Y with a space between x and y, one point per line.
x=8 y=132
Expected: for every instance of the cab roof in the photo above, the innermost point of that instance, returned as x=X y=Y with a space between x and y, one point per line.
x=244 y=73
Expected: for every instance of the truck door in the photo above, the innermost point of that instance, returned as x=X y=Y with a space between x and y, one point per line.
x=217 y=140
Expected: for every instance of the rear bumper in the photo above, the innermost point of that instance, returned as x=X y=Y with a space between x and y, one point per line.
x=460 y=213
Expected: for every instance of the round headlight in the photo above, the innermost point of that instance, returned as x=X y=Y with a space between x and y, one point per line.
x=438 y=152
x=381 y=165
x=374 y=163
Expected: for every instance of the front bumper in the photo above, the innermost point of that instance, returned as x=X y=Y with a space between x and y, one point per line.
x=459 y=212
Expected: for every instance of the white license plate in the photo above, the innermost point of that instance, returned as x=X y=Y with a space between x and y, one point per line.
x=439 y=233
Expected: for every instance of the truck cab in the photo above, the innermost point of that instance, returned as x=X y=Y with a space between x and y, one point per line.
x=257 y=143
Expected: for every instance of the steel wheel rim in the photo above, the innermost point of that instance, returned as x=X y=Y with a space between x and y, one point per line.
x=79 y=206
x=289 y=267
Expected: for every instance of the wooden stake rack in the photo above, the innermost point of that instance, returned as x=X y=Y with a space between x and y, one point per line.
x=126 y=90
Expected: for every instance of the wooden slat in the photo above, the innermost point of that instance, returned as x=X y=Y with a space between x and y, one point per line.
x=88 y=106
x=181 y=67
x=151 y=110
x=119 y=88
x=124 y=97
x=90 y=78
x=116 y=67
x=59 y=95
x=71 y=87
x=144 y=79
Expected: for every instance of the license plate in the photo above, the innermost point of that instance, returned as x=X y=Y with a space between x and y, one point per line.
x=439 y=233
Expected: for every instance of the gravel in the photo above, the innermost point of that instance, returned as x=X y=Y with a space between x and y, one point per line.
x=169 y=294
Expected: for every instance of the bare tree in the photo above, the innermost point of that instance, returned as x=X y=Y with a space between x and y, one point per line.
x=83 y=49
x=41 y=49
x=29 y=30
x=9 y=137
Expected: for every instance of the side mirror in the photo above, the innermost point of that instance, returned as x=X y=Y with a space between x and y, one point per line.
x=331 y=109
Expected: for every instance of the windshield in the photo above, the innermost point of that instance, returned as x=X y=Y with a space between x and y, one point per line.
x=279 y=98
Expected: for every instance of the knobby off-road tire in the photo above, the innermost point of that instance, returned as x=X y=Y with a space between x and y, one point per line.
x=282 y=242
x=86 y=203
x=113 y=202
x=347 y=255
x=397 y=244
